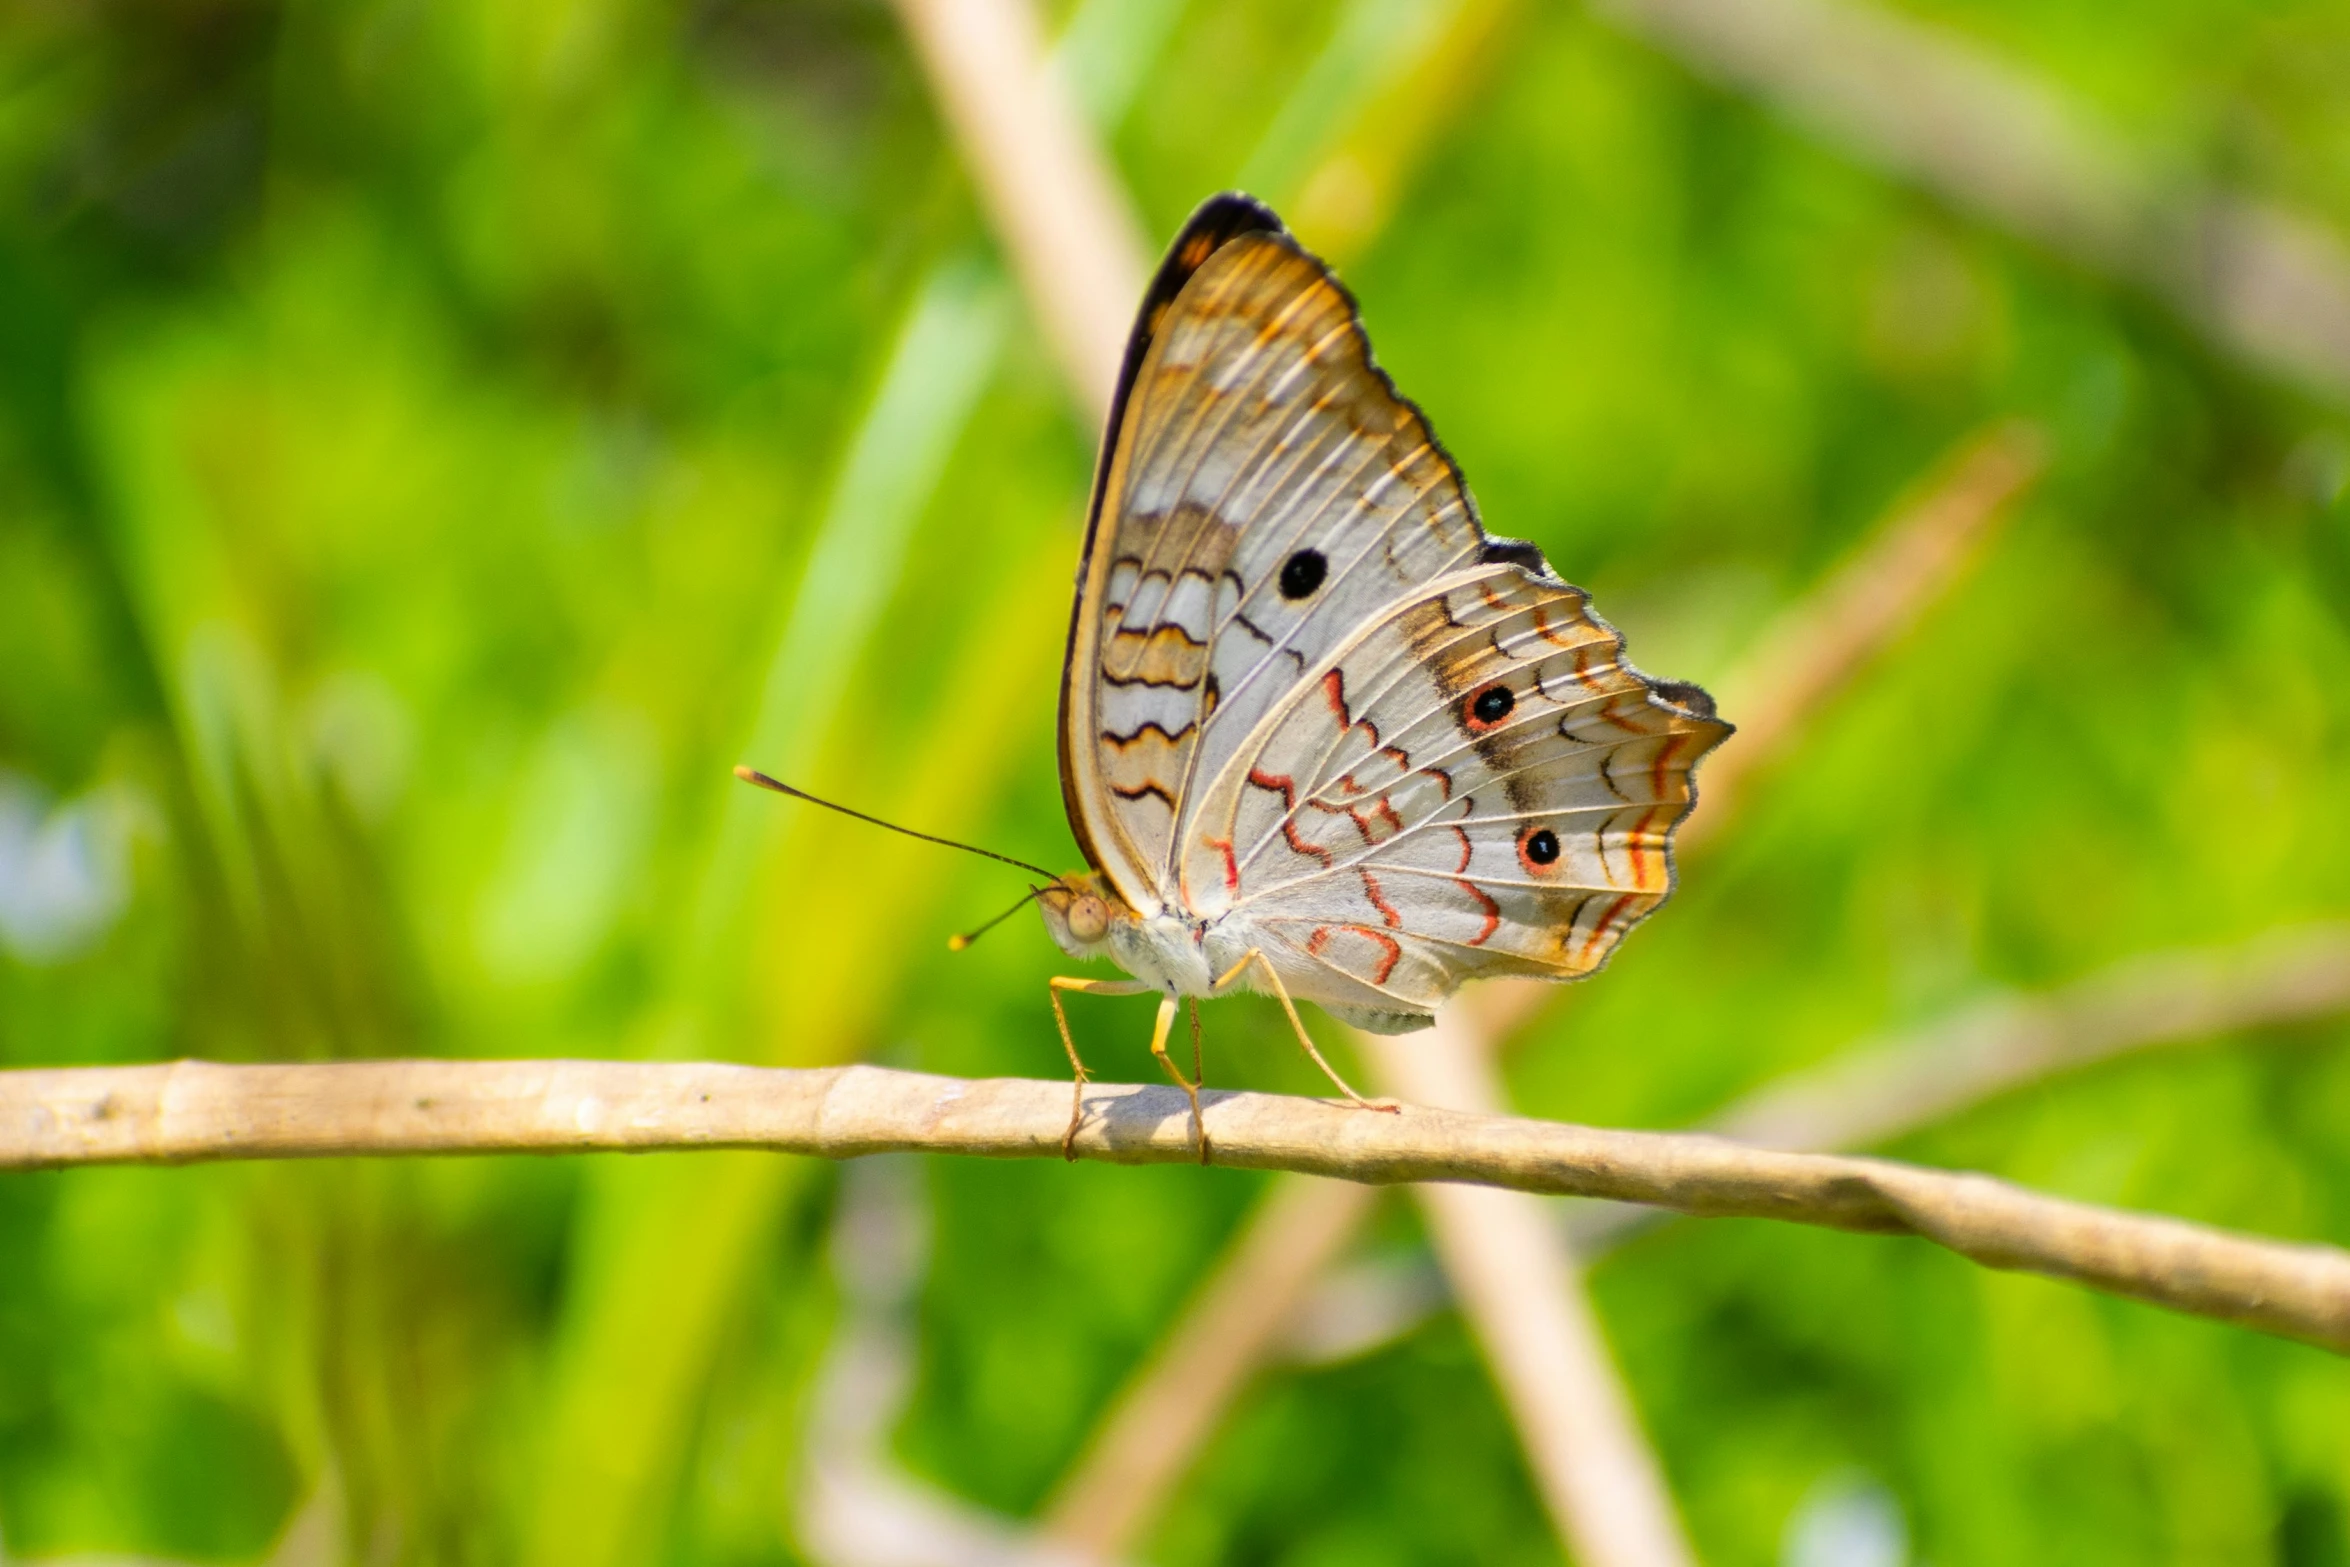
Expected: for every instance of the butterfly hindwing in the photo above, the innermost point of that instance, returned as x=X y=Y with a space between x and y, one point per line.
x=1477 y=783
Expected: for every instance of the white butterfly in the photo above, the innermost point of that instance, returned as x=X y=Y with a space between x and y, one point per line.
x=1320 y=733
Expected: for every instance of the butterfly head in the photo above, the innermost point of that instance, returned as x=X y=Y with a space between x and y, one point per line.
x=1079 y=911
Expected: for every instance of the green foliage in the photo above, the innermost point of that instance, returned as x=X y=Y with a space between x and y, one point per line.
x=429 y=460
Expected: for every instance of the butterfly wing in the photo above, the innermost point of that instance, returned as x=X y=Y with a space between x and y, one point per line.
x=1476 y=783
x=1263 y=491
x=1286 y=612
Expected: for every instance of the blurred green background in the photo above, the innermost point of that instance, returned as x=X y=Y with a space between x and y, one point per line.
x=438 y=441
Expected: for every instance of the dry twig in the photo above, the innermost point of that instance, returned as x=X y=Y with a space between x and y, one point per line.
x=1874 y=1092
x=189 y=1111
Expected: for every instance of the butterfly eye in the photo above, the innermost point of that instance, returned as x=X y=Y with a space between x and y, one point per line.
x=1491 y=705
x=1541 y=847
x=1089 y=919
x=1302 y=573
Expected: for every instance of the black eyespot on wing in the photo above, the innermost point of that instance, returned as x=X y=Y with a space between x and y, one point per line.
x=1542 y=846
x=1302 y=573
x=1491 y=705
x=1682 y=694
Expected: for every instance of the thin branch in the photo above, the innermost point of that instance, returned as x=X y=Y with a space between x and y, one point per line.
x=1522 y=1292
x=1875 y=1092
x=192 y=1111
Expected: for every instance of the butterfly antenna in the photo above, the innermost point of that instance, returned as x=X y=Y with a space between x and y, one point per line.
x=958 y=943
x=752 y=775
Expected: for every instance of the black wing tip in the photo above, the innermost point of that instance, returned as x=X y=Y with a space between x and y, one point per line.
x=1496 y=550
x=1689 y=698
x=1229 y=214
x=1213 y=224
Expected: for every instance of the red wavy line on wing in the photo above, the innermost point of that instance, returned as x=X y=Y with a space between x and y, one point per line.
x=1334 y=688
x=1542 y=627
x=1389 y=959
x=1320 y=940
x=1492 y=909
x=1286 y=787
x=1223 y=846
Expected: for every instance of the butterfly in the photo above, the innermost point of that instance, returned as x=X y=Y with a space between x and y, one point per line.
x=1321 y=735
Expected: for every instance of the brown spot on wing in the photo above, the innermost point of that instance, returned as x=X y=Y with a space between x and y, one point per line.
x=1166 y=655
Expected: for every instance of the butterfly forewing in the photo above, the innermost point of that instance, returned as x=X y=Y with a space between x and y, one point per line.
x=1305 y=689
x=1266 y=493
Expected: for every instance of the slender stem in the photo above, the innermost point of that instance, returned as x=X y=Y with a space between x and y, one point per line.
x=188 y=1111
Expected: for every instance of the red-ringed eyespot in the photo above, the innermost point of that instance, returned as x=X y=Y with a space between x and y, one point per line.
x=1539 y=847
x=1490 y=706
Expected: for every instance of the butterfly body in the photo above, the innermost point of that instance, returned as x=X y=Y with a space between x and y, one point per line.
x=1172 y=952
x=1320 y=732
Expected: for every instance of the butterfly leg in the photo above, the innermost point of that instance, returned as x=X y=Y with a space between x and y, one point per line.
x=1159 y=1032
x=1305 y=1040
x=1090 y=987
